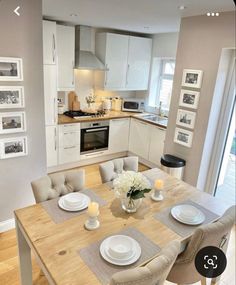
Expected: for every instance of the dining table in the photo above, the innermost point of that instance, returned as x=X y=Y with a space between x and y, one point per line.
x=59 y=245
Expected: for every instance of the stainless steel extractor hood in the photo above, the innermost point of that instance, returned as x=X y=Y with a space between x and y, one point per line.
x=85 y=48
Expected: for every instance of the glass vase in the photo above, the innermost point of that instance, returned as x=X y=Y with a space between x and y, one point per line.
x=130 y=205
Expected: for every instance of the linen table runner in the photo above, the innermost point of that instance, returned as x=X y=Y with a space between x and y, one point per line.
x=103 y=269
x=59 y=215
x=183 y=230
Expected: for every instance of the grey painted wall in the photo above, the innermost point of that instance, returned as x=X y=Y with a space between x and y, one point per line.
x=201 y=40
x=22 y=37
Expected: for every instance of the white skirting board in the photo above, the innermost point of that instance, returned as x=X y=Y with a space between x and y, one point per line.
x=7 y=225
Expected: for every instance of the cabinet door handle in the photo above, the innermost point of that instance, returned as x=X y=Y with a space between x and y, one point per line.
x=94 y=154
x=53 y=48
x=54 y=108
x=73 y=78
x=55 y=139
x=106 y=66
x=69 y=147
x=127 y=74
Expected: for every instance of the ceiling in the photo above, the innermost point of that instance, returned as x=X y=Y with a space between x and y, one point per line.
x=144 y=16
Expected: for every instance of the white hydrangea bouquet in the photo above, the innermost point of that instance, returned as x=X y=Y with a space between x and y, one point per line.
x=131 y=187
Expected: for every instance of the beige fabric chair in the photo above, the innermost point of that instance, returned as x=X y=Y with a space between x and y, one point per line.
x=58 y=184
x=215 y=234
x=109 y=170
x=155 y=272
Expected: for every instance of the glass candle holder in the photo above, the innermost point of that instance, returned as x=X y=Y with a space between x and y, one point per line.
x=158 y=187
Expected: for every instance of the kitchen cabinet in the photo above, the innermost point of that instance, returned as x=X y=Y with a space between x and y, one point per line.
x=69 y=143
x=156 y=147
x=112 y=50
x=66 y=57
x=49 y=42
x=139 y=60
x=139 y=138
x=52 y=146
x=50 y=94
x=127 y=60
x=119 y=135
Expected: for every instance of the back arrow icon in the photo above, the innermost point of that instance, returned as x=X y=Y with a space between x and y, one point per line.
x=16 y=11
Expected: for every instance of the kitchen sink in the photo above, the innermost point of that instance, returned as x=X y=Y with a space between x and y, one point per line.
x=154 y=118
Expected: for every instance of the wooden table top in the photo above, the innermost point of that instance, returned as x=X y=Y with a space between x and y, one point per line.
x=57 y=245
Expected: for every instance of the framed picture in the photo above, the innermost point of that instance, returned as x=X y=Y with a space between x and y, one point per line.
x=13 y=147
x=192 y=78
x=12 y=97
x=11 y=69
x=186 y=118
x=183 y=137
x=189 y=98
x=14 y=122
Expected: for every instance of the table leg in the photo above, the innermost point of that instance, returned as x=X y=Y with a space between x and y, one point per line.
x=24 y=258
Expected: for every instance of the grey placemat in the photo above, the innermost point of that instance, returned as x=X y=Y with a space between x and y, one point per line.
x=183 y=230
x=104 y=270
x=58 y=215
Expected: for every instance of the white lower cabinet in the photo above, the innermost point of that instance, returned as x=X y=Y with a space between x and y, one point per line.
x=139 y=139
x=52 y=146
x=156 y=147
x=69 y=143
x=119 y=135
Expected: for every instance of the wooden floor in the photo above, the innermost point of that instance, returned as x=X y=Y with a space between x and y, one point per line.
x=9 y=258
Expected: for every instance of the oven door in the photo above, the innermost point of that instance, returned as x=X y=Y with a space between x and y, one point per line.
x=94 y=139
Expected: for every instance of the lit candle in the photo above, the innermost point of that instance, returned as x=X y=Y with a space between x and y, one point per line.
x=159 y=184
x=93 y=209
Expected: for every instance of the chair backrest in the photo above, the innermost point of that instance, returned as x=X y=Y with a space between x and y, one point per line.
x=214 y=234
x=109 y=170
x=155 y=272
x=58 y=184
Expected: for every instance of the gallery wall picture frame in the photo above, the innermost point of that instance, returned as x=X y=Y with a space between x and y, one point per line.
x=192 y=78
x=12 y=122
x=183 y=137
x=11 y=69
x=13 y=147
x=189 y=98
x=12 y=97
x=186 y=118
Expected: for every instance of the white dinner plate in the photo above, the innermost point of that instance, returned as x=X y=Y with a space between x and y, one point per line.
x=121 y=262
x=188 y=214
x=84 y=205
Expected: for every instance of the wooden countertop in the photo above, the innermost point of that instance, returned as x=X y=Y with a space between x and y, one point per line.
x=62 y=119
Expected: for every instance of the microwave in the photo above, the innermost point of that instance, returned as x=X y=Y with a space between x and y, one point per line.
x=133 y=105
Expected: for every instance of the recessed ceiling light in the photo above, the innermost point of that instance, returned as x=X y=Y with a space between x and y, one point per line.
x=182 y=7
x=217 y=14
x=213 y=14
x=208 y=14
x=73 y=15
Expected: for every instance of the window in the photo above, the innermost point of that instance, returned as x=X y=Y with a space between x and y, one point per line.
x=165 y=82
x=161 y=81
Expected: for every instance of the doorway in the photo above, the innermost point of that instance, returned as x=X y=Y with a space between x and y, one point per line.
x=225 y=187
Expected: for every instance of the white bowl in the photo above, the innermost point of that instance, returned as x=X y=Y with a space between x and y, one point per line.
x=73 y=200
x=120 y=246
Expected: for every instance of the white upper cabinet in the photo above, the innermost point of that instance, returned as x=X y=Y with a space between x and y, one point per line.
x=112 y=50
x=139 y=60
x=66 y=57
x=119 y=135
x=157 y=142
x=50 y=94
x=49 y=42
x=127 y=60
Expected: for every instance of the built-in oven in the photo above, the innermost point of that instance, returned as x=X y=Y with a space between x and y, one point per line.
x=94 y=136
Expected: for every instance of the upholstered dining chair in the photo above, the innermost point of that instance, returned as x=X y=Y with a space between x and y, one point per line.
x=109 y=170
x=215 y=234
x=154 y=272
x=58 y=184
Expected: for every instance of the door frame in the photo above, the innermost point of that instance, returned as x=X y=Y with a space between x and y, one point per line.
x=225 y=117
